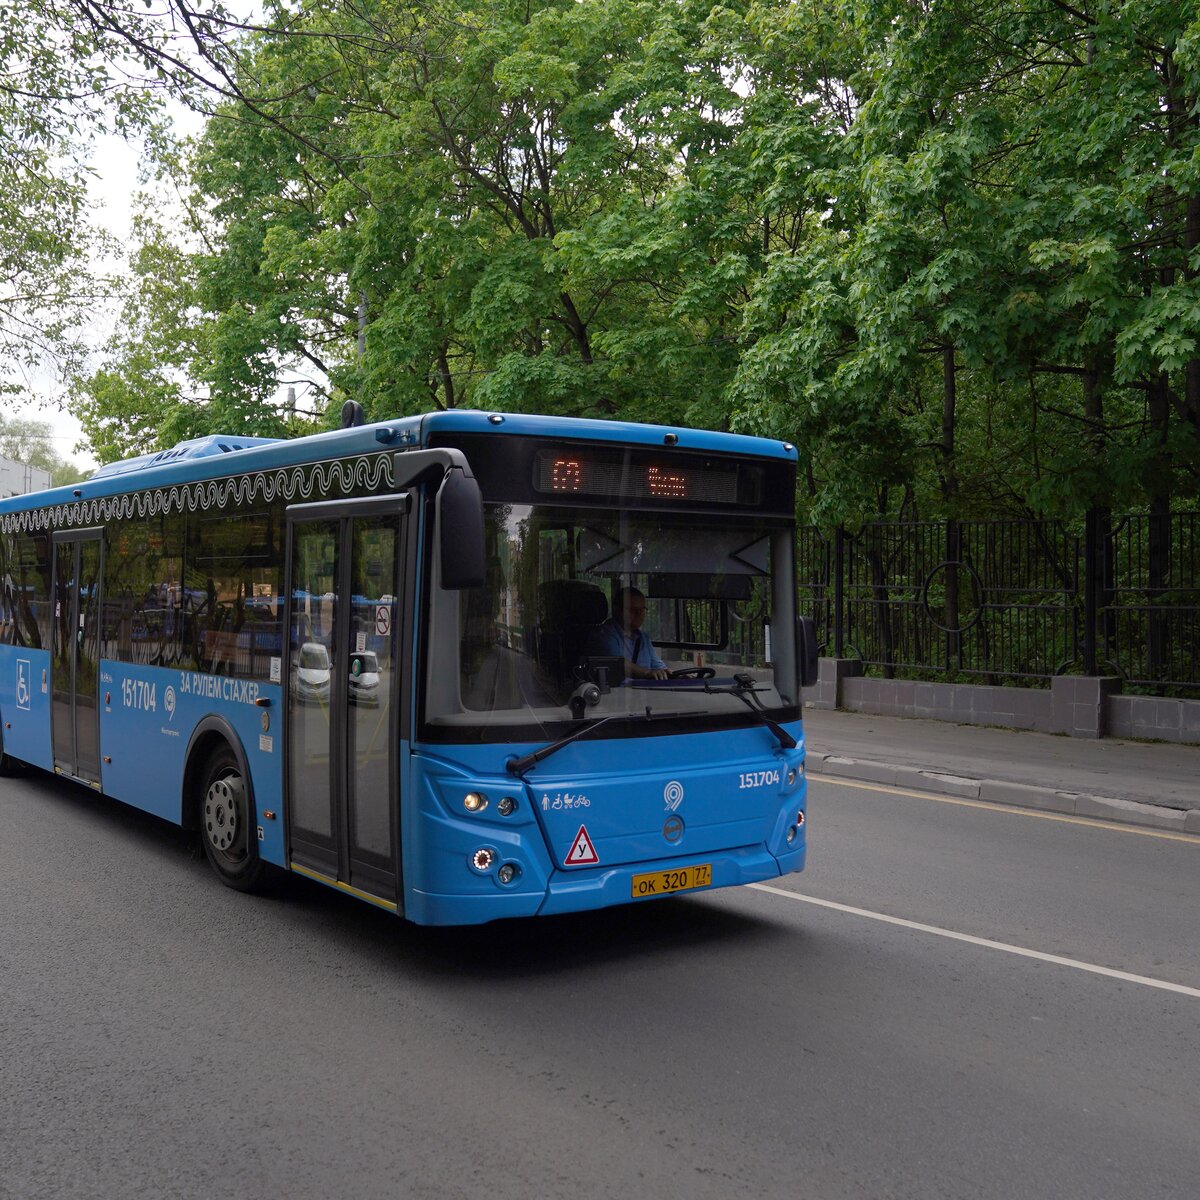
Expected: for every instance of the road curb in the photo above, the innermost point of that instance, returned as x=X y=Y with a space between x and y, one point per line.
x=999 y=791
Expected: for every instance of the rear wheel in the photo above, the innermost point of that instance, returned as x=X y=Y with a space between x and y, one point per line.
x=225 y=823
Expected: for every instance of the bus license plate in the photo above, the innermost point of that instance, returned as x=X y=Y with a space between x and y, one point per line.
x=659 y=883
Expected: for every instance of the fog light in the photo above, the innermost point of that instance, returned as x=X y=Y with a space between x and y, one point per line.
x=475 y=802
x=791 y=834
x=507 y=873
x=800 y=817
x=483 y=858
x=507 y=806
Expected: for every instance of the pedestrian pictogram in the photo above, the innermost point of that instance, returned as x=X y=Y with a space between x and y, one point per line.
x=582 y=852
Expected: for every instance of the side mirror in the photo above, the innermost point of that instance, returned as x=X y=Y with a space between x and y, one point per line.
x=806 y=651
x=460 y=531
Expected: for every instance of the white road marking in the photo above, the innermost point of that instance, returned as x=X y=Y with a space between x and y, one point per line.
x=1011 y=810
x=1040 y=955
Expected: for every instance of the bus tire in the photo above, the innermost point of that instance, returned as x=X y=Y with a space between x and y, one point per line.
x=226 y=828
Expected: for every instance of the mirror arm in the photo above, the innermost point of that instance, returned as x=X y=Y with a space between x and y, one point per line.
x=458 y=508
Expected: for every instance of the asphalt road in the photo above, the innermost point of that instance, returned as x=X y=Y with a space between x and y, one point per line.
x=163 y=1036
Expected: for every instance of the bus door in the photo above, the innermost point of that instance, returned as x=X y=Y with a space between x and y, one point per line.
x=75 y=655
x=342 y=682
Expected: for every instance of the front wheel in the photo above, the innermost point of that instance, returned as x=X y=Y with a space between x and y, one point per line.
x=225 y=825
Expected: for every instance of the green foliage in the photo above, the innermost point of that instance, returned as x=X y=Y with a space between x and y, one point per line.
x=58 y=91
x=950 y=250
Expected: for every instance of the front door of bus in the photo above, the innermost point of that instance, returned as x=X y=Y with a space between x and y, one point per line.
x=75 y=655
x=343 y=690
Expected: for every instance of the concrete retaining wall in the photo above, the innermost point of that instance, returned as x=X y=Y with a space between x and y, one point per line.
x=1076 y=705
x=1150 y=717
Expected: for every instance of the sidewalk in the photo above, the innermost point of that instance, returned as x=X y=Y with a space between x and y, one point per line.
x=1142 y=783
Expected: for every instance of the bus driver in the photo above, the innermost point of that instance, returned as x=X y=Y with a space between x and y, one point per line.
x=622 y=636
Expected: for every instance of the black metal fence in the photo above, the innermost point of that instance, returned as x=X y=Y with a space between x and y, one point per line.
x=1012 y=601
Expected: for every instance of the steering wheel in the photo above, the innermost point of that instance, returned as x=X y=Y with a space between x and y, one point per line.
x=693 y=673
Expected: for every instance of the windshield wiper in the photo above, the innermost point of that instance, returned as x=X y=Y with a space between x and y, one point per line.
x=518 y=766
x=743 y=689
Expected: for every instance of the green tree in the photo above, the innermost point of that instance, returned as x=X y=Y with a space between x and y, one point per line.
x=950 y=251
x=58 y=90
x=457 y=204
x=998 y=296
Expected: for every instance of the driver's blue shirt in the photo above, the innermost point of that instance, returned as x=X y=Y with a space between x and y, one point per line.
x=636 y=646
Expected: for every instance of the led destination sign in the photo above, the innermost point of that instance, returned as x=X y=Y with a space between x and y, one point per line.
x=587 y=472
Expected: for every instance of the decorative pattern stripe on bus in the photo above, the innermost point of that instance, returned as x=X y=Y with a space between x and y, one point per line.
x=314 y=481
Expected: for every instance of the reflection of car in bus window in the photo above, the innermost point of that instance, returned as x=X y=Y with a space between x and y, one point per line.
x=364 y=678
x=311 y=680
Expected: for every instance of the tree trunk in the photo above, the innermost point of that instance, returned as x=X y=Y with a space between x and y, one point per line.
x=949 y=494
x=1100 y=631
x=1159 y=534
x=1191 y=381
x=447 y=378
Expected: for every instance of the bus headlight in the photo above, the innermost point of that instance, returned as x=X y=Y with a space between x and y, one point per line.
x=475 y=802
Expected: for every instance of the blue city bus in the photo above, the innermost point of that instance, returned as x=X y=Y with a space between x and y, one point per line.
x=382 y=657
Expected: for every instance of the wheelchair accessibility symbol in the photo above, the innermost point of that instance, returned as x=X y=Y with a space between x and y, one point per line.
x=23 y=692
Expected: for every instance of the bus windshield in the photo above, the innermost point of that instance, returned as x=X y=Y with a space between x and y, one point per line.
x=515 y=657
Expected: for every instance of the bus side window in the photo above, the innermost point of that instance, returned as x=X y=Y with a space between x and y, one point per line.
x=8 y=592
x=235 y=565
x=26 y=582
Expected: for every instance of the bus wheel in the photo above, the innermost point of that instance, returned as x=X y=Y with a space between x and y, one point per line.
x=225 y=826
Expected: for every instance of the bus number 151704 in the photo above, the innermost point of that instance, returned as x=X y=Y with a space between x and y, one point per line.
x=757 y=779
x=137 y=693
